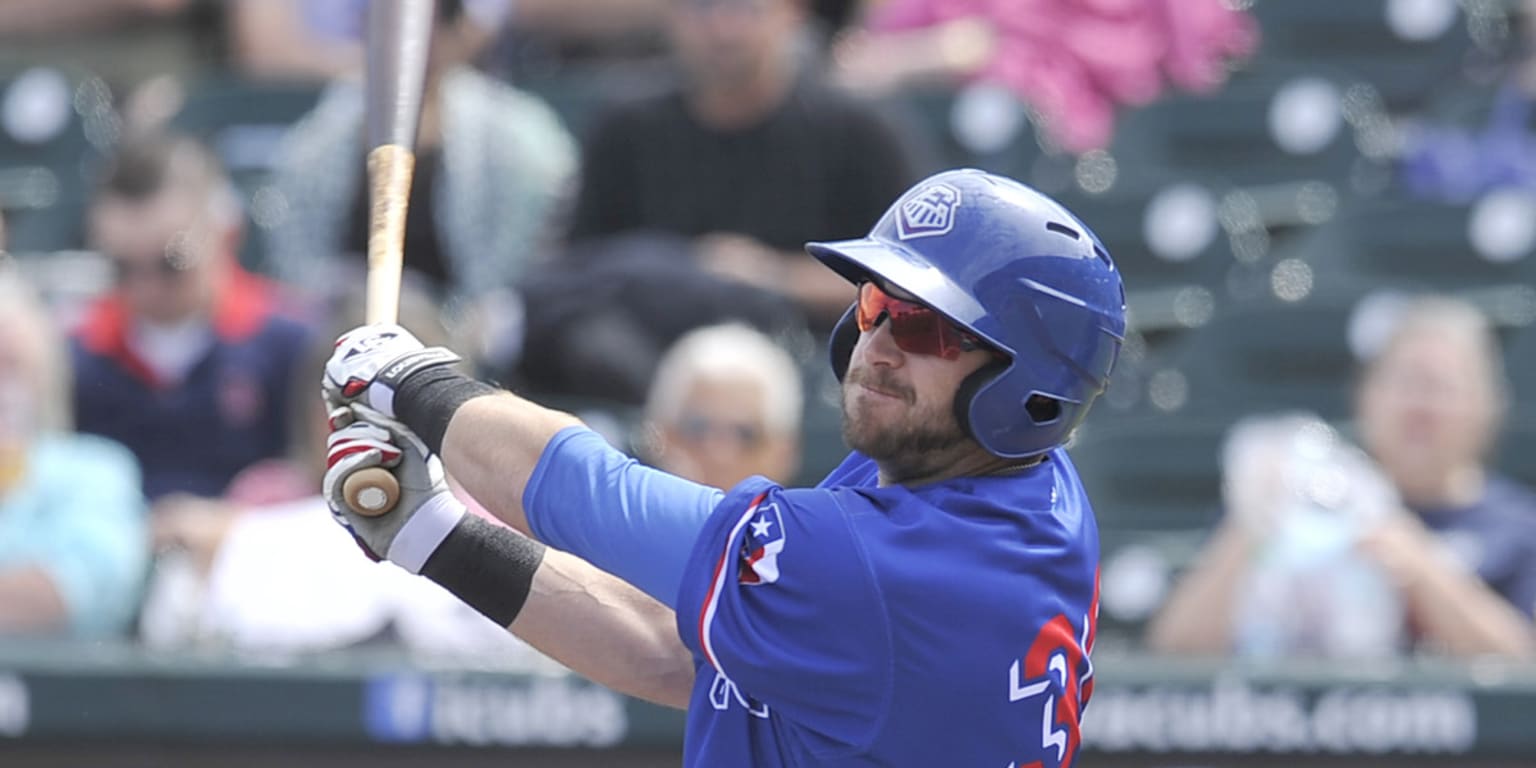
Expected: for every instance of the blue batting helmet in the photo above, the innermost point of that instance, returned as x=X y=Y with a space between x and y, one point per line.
x=1014 y=268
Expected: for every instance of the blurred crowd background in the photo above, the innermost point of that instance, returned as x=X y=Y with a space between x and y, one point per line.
x=1319 y=441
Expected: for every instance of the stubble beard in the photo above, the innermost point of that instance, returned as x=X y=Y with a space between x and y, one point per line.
x=904 y=447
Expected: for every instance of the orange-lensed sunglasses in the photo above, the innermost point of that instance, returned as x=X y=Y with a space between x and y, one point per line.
x=916 y=329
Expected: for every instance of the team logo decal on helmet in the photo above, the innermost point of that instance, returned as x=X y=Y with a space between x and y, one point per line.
x=929 y=212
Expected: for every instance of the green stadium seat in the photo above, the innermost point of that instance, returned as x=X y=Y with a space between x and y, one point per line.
x=1151 y=474
x=1228 y=133
x=44 y=178
x=1270 y=355
x=1354 y=38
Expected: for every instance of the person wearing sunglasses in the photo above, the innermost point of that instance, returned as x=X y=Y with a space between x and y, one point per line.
x=932 y=601
x=725 y=404
x=186 y=358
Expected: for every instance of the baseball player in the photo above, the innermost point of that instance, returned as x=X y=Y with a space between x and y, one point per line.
x=931 y=602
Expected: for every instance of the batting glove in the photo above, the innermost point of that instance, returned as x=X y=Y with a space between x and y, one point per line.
x=426 y=511
x=371 y=361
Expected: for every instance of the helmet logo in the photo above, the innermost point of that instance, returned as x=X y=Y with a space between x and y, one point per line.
x=930 y=211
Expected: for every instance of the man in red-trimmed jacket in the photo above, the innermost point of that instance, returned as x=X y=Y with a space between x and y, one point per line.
x=188 y=359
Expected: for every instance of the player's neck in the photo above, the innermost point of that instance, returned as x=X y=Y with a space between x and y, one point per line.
x=971 y=464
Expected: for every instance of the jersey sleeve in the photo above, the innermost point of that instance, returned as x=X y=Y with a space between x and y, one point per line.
x=779 y=599
x=635 y=522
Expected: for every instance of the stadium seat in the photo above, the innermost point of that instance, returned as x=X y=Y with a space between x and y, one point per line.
x=1268 y=355
x=1423 y=245
x=1150 y=474
x=1356 y=39
x=48 y=153
x=1231 y=133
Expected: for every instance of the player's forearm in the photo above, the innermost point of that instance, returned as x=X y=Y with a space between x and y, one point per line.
x=606 y=630
x=573 y=611
x=493 y=444
x=30 y=601
x=1459 y=614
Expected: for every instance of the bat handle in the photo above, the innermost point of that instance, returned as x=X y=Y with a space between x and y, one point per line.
x=371 y=492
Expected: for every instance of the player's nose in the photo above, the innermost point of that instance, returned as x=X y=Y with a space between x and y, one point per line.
x=880 y=346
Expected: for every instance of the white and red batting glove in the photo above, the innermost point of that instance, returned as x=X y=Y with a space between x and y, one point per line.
x=370 y=362
x=426 y=511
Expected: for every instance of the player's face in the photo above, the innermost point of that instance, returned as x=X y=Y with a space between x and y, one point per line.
x=898 y=405
x=162 y=254
x=1427 y=406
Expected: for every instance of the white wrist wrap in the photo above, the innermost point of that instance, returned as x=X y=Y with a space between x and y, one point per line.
x=424 y=532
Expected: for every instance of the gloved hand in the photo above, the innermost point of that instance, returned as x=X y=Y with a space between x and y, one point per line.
x=370 y=362
x=362 y=437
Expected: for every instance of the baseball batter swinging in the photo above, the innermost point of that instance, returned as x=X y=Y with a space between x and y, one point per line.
x=932 y=602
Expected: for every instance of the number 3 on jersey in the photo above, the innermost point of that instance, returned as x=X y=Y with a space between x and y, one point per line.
x=1057 y=677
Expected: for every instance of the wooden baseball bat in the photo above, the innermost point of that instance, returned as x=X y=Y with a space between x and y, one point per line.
x=399 y=34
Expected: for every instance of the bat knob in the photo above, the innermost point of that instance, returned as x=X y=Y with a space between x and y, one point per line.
x=371 y=492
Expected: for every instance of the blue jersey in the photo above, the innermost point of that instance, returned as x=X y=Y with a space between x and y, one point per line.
x=855 y=625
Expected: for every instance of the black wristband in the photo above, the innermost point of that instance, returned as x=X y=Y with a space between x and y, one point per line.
x=489 y=567
x=427 y=400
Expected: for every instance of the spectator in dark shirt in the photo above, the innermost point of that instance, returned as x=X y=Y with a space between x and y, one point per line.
x=749 y=157
x=1463 y=560
x=188 y=359
x=492 y=164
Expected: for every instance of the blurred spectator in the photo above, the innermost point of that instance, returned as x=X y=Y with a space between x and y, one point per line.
x=725 y=405
x=72 y=538
x=296 y=40
x=492 y=165
x=1075 y=62
x=318 y=40
x=123 y=41
x=1462 y=563
x=187 y=361
x=597 y=323
x=750 y=157
x=214 y=585
x=1299 y=497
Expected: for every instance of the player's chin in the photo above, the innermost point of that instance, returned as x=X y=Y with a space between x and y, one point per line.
x=866 y=429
